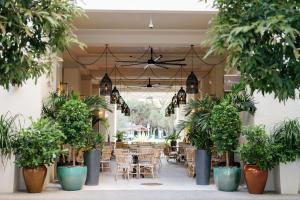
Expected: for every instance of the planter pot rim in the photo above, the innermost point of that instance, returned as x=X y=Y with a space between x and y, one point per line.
x=230 y=167
x=71 y=166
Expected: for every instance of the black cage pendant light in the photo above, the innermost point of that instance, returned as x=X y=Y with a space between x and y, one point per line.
x=127 y=111
x=105 y=83
x=115 y=92
x=175 y=101
x=124 y=107
x=192 y=83
x=167 y=113
x=181 y=95
x=171 y=108
x=120 y=102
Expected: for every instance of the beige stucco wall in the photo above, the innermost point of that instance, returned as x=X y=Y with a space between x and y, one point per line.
x=27 y=102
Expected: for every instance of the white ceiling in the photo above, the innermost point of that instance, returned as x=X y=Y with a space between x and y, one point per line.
x=140 y=20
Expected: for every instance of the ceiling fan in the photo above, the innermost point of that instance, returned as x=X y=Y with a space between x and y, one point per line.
x=157 y=61
x=151 y=85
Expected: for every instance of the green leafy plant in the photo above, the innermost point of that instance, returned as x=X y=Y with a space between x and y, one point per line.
x=198 y=123
x=173 y=137
x=74 y=119
x=286 y=138
x=120 y=136
x=31 y=32
x=38 y=144
x=261 y=39
x=7 y=129
x=93 y=140
x=240 y=98
x=226 y=128
x=258 y=149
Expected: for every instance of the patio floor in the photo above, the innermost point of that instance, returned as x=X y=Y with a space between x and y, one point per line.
x=175 y=185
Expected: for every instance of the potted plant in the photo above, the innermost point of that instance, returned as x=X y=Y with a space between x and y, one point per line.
x=74 y=119
x=226 y=128
x=286 y=139
x=93 y=141
x=199 y=135
x=35 y=147
x=256 y=154
x=173 y=137
x=6 y=130
x=119 y=139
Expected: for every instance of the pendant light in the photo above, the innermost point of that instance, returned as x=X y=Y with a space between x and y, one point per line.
x=175 y=101
x=115 y=92
x=181 y=95
x=120 y=102
x=105 y=83
x=192 y=83
x=167 y=113
x=127 y=111
x=124 y=107
x=171 y=108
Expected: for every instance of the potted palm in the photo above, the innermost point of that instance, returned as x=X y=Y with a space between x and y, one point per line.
x=199 y=135
x=172 y=138
x=257 y=156
x=286 y=139
x=226 y=128
x=35 y=147
x=75 y=122
x=93 y=141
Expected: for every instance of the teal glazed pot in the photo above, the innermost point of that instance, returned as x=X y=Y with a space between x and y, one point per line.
x=72 y=178
x=227 y=178
x=216 y=172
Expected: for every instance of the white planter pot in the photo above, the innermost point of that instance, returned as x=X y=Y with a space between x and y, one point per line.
x=287 y=178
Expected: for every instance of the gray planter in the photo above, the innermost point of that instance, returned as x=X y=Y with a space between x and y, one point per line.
x=92 y=161
x=203 y=163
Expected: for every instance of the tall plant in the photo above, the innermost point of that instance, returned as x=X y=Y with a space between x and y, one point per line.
x=198 y=123
x=7 y=129
x=31 y=32
x=261 y=39
x=286 y=138
x=74 y=119
x=226 y=128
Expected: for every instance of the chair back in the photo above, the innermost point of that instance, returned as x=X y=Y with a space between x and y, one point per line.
x=190 y=154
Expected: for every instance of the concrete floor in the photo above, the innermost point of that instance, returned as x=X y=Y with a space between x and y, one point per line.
x=175 y=185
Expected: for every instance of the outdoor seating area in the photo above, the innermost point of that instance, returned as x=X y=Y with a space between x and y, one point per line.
x=195 y=98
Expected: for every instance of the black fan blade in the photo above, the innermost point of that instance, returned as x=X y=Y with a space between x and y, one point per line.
x=129 y=61
x=133 y=64
x=161 y=66
x=175 y=60
x=165 y=63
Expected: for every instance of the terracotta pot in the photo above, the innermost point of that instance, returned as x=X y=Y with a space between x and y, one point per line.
x=256 y=179
x=34 y=178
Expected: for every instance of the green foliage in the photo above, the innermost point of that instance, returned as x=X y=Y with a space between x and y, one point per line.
x=172 y=137
x=198 y=122
x=31 y=32
x=74 y=119
x=7 y=128
x=226 y=127
x=38 y=144
x=262 y=40
x=258 y=149
x=120 y=136
x=93 y=140
x=286 y=138
x=241 y=99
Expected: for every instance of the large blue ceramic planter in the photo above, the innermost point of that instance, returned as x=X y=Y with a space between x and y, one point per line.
x=227 y=178
x=72 y=178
